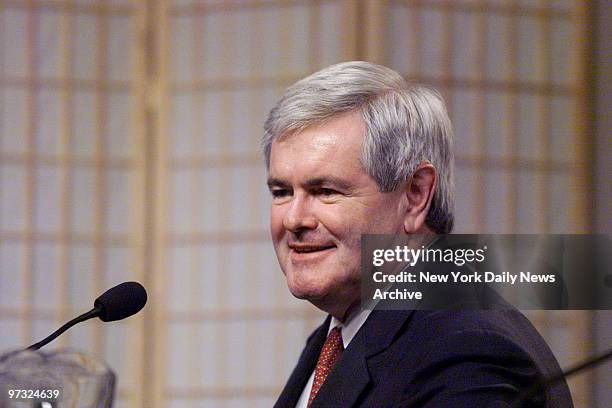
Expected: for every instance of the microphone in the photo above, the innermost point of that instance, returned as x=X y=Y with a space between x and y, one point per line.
x=117 y=303
x=121 y=301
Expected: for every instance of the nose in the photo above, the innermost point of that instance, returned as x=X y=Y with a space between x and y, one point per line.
x=300 y=216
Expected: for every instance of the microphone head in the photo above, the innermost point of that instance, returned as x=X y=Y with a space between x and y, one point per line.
x=121 y=301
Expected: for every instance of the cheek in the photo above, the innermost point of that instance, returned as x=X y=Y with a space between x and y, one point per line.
x=276 y=222
x=352 y=222
x=346 y=224
x=383 y=218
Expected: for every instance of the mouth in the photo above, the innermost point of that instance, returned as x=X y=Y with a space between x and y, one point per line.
x=310 y=250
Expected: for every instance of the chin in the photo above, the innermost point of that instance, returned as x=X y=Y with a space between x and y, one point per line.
x=306 y=289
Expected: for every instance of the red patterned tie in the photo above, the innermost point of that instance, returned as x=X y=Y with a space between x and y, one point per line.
x=329 y=354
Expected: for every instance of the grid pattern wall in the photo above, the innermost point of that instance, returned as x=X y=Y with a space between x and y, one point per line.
x=510 y=75
x=66 y=167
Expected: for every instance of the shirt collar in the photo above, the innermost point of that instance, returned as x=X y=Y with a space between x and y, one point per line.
x=351 y=326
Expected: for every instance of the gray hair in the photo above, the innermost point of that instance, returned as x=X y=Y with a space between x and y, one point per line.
x=405 y=125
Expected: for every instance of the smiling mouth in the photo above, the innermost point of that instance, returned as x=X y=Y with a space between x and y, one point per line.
x=310 y=249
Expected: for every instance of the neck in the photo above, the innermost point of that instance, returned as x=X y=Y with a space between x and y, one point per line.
x=350 y=311
x=342 y=312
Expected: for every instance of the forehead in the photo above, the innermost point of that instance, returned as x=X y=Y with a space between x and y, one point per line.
x=336 y=144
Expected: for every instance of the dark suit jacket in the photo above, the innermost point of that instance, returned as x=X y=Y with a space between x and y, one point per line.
x=416 y=358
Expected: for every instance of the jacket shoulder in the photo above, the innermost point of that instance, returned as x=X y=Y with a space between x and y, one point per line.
x=478 y=357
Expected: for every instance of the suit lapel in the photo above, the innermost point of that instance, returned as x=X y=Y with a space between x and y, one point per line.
x=350 y=376
x=305 y=366
x=382 y=328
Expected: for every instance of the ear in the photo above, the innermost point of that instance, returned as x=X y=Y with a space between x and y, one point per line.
x=419 y=194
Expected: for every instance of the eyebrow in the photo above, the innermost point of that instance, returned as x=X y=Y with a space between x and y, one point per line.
x=276 y=182
x=314 y=182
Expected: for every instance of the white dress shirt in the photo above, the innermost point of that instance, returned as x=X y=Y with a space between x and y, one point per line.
x=348 y=329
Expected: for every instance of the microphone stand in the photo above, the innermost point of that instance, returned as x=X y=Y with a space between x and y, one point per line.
x=95 y=312
x=542 y=384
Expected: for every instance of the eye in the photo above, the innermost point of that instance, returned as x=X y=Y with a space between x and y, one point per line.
x=279 y=192
x=327 y=192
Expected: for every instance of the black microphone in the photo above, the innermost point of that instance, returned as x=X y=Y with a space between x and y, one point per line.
x=117 y=303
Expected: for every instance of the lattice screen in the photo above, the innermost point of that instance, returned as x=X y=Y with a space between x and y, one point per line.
x=129 y=139
x=67 y=166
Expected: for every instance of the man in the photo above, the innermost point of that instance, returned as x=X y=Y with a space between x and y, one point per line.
x=354 y=149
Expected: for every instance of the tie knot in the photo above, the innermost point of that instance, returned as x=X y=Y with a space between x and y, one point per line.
x=335 y=337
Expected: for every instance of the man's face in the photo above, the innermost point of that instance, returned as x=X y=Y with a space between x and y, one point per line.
x=322 y=202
